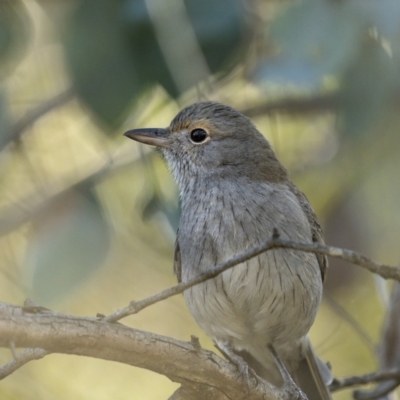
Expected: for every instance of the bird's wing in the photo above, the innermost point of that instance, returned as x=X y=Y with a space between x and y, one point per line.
x=316 y=230
x=177 y=261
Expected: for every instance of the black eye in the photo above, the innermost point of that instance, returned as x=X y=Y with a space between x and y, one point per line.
x=198 y=135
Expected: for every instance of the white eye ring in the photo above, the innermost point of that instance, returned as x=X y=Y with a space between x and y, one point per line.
x=198 y=135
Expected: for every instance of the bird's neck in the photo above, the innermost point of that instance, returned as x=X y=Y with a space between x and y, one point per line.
x=192 y=184
x=215 y=189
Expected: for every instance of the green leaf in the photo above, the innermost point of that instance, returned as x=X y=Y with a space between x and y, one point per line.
x=367 y=88
x=218 y=25
x=100 y=60
x=315 y=38
x=69 y=242
x=114 y=55
x=143 y=45
x=15 y=28
x=4 y=118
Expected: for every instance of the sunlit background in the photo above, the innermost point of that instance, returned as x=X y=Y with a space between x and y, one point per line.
x=88 y=217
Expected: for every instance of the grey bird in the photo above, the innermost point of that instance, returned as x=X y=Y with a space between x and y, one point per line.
x=234 y=192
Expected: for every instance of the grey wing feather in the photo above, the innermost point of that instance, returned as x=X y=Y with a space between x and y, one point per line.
x=316 y=230
x=177 y=261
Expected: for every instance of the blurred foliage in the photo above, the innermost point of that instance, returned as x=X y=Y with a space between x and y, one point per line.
x=4 y=123
x=15 y=28
x=314 y=38
x=114 y=55
x=353 y=41
x=363 y=98
x=80 y=233
x=70 y=240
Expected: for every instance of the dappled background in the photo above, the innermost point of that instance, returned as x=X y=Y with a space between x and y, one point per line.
x=88 y=218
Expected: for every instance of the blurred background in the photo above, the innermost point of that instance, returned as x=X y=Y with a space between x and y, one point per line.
x=88 y=218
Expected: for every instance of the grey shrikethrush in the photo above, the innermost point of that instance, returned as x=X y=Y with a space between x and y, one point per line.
x=234 y=192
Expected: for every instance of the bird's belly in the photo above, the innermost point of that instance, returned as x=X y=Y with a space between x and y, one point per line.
x=272 y=298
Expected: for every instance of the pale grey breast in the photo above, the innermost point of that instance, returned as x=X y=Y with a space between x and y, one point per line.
x=256 y=302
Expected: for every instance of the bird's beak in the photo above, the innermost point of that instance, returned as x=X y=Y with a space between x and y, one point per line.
x=153 y=136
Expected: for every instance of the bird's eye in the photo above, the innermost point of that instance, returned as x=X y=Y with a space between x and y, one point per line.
x=198 y=135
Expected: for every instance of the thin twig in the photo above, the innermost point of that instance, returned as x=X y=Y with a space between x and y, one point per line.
x=389 y=349
x=373 y=377
x=21 y=359
x=380 y=392
x=385 y=271
x=274 y=242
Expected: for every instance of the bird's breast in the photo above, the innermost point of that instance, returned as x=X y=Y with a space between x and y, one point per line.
x=260 y=298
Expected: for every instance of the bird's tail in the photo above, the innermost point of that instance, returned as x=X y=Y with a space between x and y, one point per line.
x=313 y=375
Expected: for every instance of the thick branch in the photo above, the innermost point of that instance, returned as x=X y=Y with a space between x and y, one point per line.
x=197 y=392
x=274 y=242
x=180 y=361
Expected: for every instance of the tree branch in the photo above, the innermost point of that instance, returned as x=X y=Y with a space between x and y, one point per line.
x=389 y=349
x=379 y=392
x=187 y=363
x=274 y=242
x=197 y=392
x=181 y=362
x=22 y=358
x=373 y=377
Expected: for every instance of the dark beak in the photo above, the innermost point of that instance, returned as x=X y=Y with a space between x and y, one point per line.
x=153 y=136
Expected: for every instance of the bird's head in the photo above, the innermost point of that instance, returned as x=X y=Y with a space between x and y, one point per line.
x=208 y=139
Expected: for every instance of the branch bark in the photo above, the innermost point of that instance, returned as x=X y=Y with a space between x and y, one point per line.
x=22 y=358
x=198 y=370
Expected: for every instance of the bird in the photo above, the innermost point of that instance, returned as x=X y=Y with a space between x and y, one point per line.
x=234 y=194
